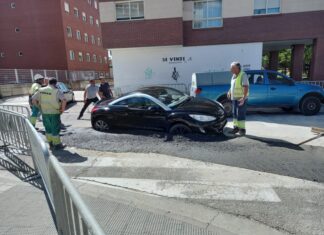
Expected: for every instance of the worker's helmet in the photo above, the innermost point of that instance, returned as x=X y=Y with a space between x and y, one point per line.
x=38 y=77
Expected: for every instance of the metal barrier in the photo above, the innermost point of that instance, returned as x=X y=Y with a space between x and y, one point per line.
x=13 y=130
x=72 y=214
x=16 y=108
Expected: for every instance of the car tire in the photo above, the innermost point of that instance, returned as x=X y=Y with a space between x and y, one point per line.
x=180 y=129
x=310 y=105
x=227 y=104
x=101 y=124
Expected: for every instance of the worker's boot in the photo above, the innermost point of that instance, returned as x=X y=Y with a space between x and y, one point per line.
x=59 y=146
x=242 y=132
x=235 y=130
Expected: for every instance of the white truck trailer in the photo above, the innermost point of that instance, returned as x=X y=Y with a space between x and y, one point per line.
x=174 y=65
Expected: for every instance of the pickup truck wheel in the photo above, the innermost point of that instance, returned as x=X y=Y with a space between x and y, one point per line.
x=227 y=107
x=310 y=105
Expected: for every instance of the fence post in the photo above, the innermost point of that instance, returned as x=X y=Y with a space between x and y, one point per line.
x=45 y=75
x=32 y=75
x=16 y=74
x=56 y=75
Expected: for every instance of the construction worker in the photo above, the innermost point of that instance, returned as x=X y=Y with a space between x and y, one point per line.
x=38 y=82
x=52 y=103
x=239 y=93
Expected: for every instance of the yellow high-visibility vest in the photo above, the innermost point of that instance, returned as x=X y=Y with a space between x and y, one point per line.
x=34 y=88
x=49 y=102
x=239 y=89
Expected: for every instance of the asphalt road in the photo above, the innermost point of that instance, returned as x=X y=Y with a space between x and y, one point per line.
x=250 y=152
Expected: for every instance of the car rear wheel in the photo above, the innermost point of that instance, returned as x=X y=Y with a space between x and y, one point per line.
x=227 y=107
x=100 y=124
x=180 y=129
x=310 y=105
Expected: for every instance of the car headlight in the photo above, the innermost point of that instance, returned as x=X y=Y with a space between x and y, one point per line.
x=202 y=118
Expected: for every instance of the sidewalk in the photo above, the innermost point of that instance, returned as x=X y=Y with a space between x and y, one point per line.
x=24 y=208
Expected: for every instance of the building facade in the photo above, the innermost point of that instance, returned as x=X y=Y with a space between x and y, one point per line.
x=53 y=37
x=141 y=26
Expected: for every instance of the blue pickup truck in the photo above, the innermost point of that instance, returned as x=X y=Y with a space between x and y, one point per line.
x=267 y=89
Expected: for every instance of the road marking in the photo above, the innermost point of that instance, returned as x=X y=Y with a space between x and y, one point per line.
x=192 y=189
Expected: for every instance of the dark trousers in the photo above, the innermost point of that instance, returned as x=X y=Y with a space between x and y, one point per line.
x=86 y=105
x=239 y=114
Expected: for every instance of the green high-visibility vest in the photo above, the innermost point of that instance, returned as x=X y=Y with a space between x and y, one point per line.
x=239 y=89
x=49 y=102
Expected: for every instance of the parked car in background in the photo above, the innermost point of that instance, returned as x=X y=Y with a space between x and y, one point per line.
x=159 y=108
x=267 y=89
x=68 y=93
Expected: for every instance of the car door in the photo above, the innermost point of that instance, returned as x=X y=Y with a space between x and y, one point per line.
x=258 y=89
x=281 y=89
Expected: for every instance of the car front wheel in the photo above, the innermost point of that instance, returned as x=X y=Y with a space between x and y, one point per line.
x=310 y=105
x=180 y=129
x=100 y=124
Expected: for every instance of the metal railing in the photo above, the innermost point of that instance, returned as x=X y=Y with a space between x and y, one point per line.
x=14 y=131
x=72 y=215
x=316 y=83
x=16 y=108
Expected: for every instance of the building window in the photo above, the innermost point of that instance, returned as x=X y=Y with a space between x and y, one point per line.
x=262 y=7
x=72 y=57
x=99 y=41
x=100 y=59
x=76 y=12
x=20 y=53
x=86 y=38
x=91 y=20
x=78 y=34
x=97 y=23
x=93 y=41
x=94 y=58
x=130 y=10
x=89 y=1
x=69 y=32
x=66 y=7
x=13 y=5
x=84 y=16
x=80 y=56
x=95 y=4
x=88 y=57
x=2 y=54
x=207 y=14
x=17 y=30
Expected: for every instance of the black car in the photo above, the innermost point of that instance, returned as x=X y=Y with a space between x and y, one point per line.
x=159 y=108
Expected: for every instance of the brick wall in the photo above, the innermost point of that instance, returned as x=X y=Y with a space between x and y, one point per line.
x=142 y=33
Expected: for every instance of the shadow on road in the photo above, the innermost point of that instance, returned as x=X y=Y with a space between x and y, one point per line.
x=11 y=162
x=275 y=143
x=66 y=156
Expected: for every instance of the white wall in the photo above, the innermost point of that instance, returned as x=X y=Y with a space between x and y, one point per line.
x=135 y=67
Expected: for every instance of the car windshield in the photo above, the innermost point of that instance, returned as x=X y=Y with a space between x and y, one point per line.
x=168 y=96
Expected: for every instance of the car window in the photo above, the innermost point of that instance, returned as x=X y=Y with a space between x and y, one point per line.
x=278 y=79
x=137 y=102
x=256 y=78
x=167 y=96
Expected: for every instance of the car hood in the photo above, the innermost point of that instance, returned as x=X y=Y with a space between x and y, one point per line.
x=199 y=105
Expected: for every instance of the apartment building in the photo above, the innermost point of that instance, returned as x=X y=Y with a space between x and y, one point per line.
x=58 y=38
x=145 y=34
